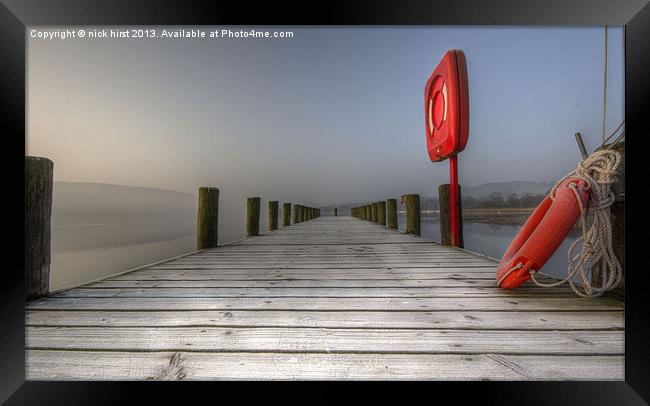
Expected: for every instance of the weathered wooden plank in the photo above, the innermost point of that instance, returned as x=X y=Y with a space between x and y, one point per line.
x=263 y=339
x=70 y=365
x=351 y=271
x=258 y=260
x=297 y=283
x=288 y=265
x=369 y=304
x=497 y=320
x=192 y=275
x=315 y=292
x=424 y=248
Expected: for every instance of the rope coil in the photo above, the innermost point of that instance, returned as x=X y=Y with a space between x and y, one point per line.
x=598 y=171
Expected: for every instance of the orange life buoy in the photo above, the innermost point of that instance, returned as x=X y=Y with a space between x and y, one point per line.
x=542 y=234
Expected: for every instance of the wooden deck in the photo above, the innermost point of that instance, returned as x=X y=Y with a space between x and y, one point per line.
x=332 y=298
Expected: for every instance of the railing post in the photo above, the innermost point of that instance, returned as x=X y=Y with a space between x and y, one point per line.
x=286 y=214
x=412 y=203
x=252 y=216
x=445 y=216
x=391 y=214
x=39 y=179
x=381 y=213
x=273 y=215
x=207 y=224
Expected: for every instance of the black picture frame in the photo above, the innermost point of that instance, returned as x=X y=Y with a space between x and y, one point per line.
x=15 y=15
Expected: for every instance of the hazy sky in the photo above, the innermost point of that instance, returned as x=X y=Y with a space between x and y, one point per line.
x=331 y=116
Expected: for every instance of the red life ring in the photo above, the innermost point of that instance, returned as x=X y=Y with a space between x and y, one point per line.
x=542 y=234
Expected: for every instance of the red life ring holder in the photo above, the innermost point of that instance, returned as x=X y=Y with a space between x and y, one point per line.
x=542 y=234
x=446 y=107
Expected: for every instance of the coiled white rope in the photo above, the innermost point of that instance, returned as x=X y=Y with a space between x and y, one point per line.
x=599 y=172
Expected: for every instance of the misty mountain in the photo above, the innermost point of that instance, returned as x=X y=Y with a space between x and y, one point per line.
x=107 y=201
x=520 y=187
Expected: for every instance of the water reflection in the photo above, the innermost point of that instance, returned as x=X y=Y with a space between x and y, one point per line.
x=493 y=240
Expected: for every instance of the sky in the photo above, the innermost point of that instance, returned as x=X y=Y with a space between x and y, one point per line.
x=331 y=116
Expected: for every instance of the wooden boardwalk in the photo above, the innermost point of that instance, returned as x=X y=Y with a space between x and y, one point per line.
x=331 y=298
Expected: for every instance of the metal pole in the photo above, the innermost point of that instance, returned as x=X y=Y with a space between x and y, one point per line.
x=581 y=146
x=453 y=199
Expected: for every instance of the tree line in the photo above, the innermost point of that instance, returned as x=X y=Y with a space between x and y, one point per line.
x=496 y=200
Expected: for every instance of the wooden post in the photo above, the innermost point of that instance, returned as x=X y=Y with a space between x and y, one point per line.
x=374 y=212
x=252 y=216
x=381 y=213
x=286 y=214
x=617 y=211
x=207 y=223
x=368 y=212
x=296 y=213
x=445 y=216
x=303 y=213
x=412 y=203
x=273 y=215
x=336 y=212
x=39 y=180
x=391 y=214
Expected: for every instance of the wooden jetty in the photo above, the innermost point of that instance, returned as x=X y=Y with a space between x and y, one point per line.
x=328 y=298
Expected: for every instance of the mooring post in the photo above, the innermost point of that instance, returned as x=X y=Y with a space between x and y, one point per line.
x=374 y=212
x=39 y=180
x=273 y=215
x=381 y=213
x=391 y=214
x=412 y=203
x=296 y=213
x=286 y=214
x=445 y=216
x=617 y=212
x=252 y=216
x=207 y=224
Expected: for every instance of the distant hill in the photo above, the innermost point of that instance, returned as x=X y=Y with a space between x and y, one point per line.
x=520 y=187
x=103 y=200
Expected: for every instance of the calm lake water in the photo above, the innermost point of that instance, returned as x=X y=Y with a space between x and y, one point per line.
x=88 y=249
x=493 y=240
